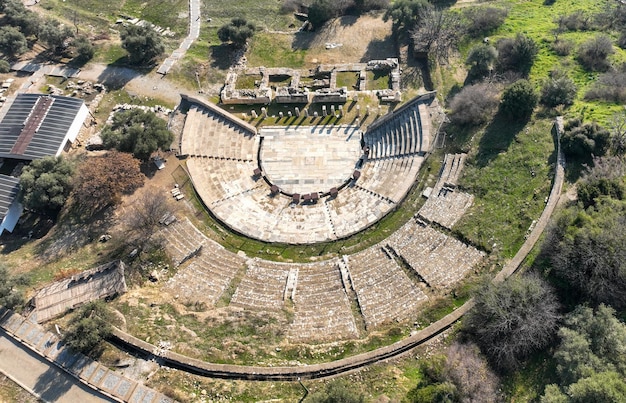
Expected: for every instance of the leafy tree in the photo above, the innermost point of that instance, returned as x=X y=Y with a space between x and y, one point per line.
x=46 y=184
x=12 y=41
x=584 y=140
x=405 y=15
x=237 y=32
x=5 y=67
x=604 y=387
x=559 y=89
x=483 y=20
x=513 y=319
x=519 y=100
x=10 y=296
x=88 y=328
x=591 y=342
x=336 y=392
x=481 y=60
x=474 y=105
x=55 y=35
x=142 y=43
x=138 y=132
x=590 y=361
x=102 y=181
x=84 y=49
x=17 y=15
x=586 y=251
x=321 y=11
x=516 y=54
x=593 y=54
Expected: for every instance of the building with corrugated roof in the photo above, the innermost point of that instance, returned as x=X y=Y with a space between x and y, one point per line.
x=34 y=126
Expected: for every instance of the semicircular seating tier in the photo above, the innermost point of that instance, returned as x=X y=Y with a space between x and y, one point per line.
x=327 y=300
x=303 y=184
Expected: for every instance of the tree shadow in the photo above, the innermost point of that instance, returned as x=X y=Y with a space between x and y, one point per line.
x=497 y=138
x=221 y=56
x=52 y=384
x=379 y=49
x=30 y=228
x=115 y=77
x=302 y=40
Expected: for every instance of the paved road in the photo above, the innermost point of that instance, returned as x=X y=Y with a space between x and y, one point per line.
x=34 y=373
x=194 y=32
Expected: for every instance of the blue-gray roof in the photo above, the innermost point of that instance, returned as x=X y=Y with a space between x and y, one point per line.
x=9 y=187
x=52 y=124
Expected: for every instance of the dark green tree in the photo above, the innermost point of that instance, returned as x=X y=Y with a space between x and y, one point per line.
x=138 y=132
x=5 y=67
x=84 y=49
x=584 y=140
x=10 y=296
x=605 y=178
x=45 y=185
x=519 y=100
x=142 y=43
x=17 y=15
x=237 y=32
x=55 y=35
x=405 y=15
x=12 y=41
x=590 y=361
x=516 y=54
x=481 y=60
x=586 y=249
x=513 y=319
x=89 y=328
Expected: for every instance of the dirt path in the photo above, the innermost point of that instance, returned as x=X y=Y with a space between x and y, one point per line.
x=151 y=85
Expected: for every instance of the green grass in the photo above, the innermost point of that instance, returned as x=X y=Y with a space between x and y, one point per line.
x=264 y=14
x=347 y=79
x=272 y=50
x=377 y=80
x=245 y=81
x=509 y=174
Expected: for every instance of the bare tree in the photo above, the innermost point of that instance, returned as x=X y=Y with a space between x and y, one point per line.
x=142 y=220
x=438 y=31
x=469 y=371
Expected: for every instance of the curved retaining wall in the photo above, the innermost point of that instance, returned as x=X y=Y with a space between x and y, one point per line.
x=332 y=368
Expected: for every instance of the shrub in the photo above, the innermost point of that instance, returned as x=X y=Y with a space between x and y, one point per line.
x=84 y=49
x=87 y=330
x=593 y=54
x=604 y=178
x=610 y=86
x=483 y=20
x=517 y=54
x=562 y=47
x=584 y=140
x=519 y=100
x=558 y=90
x=576 y=21
x=474 y=105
